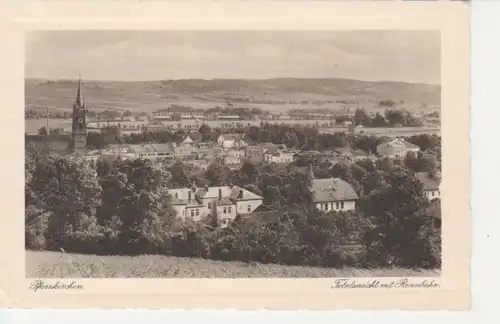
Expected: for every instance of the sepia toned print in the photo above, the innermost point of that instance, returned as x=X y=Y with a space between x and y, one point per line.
x=252 y=162
x=247 y=148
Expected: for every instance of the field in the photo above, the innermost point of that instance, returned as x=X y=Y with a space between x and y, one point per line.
x=65 y=265
x=148 y=96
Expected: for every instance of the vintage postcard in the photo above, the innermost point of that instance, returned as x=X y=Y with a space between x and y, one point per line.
x=236 y=155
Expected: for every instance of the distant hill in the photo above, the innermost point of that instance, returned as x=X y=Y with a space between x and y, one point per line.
x=272 y=94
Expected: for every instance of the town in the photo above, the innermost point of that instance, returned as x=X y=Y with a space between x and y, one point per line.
x=231 y=146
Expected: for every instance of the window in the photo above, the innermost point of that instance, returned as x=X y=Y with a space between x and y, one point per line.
x=229 y=209
x=342 y=205
x=197 y=212
x=176 y=195
x=192 y=212
x=337 y=205
x=209 y=205
x=224 y=210
x=433 y=194
x=241 y=206
x=325 y=206
x=249 y=208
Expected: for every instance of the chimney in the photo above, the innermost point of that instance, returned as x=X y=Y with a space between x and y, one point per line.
x=189 y=195
x=220 y=194
x=240 y=196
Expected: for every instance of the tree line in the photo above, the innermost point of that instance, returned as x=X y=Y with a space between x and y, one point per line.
x=116 y=206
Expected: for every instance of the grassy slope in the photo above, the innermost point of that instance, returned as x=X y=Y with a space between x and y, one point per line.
x=64 y=265
x=151 y=95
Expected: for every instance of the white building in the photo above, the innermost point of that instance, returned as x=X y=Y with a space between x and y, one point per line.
x=134 y=151
x=332 y=194
x=430 y=184
x=279 y=157
x=396 y=148
x=223 y=203
x=231 y=141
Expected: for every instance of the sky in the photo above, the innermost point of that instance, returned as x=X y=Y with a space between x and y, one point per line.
x=411 y=56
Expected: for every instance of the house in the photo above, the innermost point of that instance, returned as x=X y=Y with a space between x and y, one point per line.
x=233 y=162
x=188 y=141
x=279 y=157
x=332 y=194
x=183 y=149
x=236 y=153
x=430 y=183
x=223 y=203
x=396 y=148
x=254 y=154
x=233 y=140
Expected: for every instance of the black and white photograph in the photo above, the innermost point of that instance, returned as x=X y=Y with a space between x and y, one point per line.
x=232 y=154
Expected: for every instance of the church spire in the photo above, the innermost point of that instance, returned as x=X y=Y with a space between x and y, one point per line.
x=79 y=94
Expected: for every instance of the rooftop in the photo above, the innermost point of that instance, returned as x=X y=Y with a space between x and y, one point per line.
x=399 y=142
x=332 y=189
x=232 y=136
x=428 y=181
x=228 y=194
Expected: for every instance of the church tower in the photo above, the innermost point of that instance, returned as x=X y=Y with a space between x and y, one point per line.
x=79 y=129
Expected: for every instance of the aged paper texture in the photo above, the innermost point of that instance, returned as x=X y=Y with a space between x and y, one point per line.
x=260 y=155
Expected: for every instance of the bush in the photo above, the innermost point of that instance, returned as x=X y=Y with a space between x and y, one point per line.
x=36 y=230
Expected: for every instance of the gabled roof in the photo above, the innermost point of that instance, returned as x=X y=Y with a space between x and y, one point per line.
x=188 y=140
x=399 y=142
x=238 y=193
x=224 y=201
x=428 y=182
x=232 y=136
x=213 y=192
x=332 y=189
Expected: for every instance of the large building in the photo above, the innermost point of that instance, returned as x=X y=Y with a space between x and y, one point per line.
x=332 y=194
x=396 y=148
x=148 y=151
x=222 y=203
x=231 y=141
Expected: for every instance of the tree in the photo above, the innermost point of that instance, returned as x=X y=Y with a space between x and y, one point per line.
x=74 y=192
x=206 y=133
x=218 y=174
x=400 y=232
x=361 y=118
x=379 y=121
x=135 y=199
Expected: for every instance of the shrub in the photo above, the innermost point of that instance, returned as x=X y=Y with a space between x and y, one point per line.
x=36 y=229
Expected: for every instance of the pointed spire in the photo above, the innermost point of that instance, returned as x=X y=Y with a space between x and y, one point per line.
x=79 y=94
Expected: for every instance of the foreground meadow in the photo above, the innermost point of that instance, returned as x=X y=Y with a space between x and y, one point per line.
x=66 y=265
